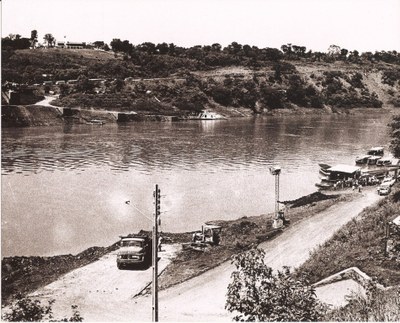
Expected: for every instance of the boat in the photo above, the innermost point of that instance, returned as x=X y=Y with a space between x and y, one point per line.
x=324 y=184
x=376 y=151
x=324 y=169
x=324 y=172
x=204 y=115
x=372 y=160
x=324 y=166
x=384 y=162
x=362 y=160
x=96 y=121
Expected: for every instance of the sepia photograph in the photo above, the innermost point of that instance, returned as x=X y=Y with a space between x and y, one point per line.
x=200 y=160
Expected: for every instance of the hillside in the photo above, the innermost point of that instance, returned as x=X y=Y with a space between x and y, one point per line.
x=229 y=83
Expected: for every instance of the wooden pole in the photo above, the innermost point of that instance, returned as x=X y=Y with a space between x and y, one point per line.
x=154 y=292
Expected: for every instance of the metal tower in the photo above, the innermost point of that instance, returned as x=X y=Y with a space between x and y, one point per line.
x=278 y=222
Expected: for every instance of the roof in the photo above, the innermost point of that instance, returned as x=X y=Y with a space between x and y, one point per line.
x=212 y=226
x=134 y=239
x=344 y=169
x=376 y=148
x=396 y=221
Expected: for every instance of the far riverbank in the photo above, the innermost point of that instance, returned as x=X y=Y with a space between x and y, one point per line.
x=44 y=113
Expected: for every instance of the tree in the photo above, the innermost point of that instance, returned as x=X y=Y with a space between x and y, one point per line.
x=99 y=44
x=395 y=134
x=50 y=40
x=343 y=53
x=257 y=294
x=83 y=84
x=15 y=42
x=334 y=50
x=162 y=48
x=116 y=45
x=34 y=36
x=216 y=47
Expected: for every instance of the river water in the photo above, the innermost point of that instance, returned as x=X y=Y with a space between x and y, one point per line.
x=65 y=188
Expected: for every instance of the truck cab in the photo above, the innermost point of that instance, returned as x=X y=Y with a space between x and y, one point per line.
x=135 y=251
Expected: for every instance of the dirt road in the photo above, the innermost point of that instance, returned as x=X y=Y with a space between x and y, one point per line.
x=100 y=287
x=105 y=295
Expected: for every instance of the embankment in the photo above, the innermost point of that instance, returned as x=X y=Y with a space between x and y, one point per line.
x=25 y=274
x=30 y=115
x=45 y=115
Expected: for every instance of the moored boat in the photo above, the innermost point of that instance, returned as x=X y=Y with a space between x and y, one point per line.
x=324 y=185
x=387 y=161
x=324 y=166
x=372 y=160
x=376 y=151
x=204 y=115
x=362 y=159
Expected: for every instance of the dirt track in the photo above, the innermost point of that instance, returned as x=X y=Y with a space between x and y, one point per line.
x=105 y=294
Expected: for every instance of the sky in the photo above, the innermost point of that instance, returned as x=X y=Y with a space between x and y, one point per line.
x=365 y=25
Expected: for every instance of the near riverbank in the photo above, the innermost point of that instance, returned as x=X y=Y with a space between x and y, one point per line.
x=25 y=274
x=180 y=302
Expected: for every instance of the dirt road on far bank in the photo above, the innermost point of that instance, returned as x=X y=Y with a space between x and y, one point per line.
x=203 y=298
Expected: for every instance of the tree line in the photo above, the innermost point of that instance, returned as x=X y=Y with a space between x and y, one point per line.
x=215 y=54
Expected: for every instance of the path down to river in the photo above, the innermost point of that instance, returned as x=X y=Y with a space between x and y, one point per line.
x=201 y=298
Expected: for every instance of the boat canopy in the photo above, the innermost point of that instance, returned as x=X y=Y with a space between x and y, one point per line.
x=345 y=169
x=363 y=158
x=374 y=157
x=376 y=151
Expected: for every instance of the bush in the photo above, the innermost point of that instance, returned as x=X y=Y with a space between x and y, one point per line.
x=259 y=295
x=28 y=310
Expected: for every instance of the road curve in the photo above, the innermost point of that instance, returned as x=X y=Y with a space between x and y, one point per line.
x=201 y=298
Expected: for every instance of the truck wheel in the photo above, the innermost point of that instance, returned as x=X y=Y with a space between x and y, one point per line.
x=119 y=266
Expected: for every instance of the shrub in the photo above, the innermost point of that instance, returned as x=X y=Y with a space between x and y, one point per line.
x=259 y=295
x=28 y=310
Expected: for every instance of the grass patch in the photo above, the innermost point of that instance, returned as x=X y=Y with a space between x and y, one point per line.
x=360 y=243
x=377 y=306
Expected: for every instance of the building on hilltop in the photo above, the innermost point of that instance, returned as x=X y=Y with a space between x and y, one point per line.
x=71 y=45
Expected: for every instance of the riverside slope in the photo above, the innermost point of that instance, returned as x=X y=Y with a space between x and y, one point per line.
x=201 y=298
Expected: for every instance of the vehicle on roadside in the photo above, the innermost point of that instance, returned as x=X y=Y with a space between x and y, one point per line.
x=384 y=190
x=134 y=252
x=389 y=181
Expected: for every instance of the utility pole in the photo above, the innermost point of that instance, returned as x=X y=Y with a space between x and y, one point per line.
x=155 y=243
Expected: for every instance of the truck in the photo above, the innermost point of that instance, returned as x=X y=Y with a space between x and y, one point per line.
x=135 y=252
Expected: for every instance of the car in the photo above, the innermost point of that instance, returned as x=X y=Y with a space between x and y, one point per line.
x=384 y=190
x=388 y=181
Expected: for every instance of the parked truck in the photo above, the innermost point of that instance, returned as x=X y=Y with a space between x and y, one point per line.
x=135 y=252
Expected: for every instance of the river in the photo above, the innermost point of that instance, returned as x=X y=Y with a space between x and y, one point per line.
x=65 y=188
